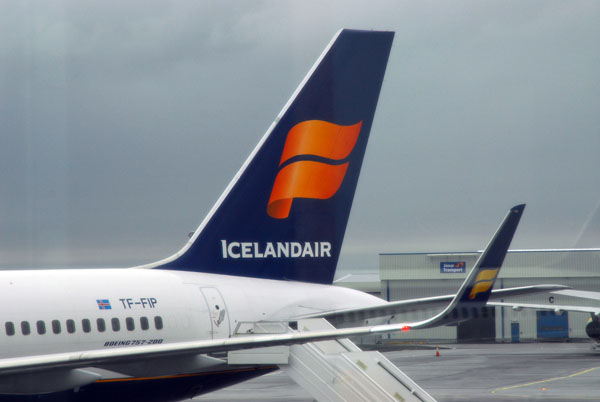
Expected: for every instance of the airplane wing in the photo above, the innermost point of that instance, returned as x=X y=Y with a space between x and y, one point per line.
x=472 y=296
x=474 y=293
x=592 y=327
x=582 y=294
x=119 y=355
x=557 y=308
x=390 y=309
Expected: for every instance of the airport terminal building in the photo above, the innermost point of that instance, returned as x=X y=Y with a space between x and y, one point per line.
x=415 y=275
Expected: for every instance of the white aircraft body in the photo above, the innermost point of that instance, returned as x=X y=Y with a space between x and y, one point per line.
x=267 y=252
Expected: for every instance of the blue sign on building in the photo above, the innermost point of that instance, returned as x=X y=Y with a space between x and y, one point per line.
x=459 y=267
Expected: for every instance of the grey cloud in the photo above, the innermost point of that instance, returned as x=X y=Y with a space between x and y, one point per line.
x=122 y=122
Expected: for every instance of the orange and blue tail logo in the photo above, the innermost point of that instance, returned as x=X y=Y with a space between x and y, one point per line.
x=483 y=282
x=284 y=214
x=316 y=179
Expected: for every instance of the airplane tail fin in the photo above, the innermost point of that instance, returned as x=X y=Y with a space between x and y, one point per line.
x=477 y=287
x=284 y=214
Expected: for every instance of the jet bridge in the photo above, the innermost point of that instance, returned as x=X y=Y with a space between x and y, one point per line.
x=331 y=371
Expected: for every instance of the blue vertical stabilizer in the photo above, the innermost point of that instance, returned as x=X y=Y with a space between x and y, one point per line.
x=285 y=213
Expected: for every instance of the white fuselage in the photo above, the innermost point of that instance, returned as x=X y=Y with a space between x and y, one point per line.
x=53 y=311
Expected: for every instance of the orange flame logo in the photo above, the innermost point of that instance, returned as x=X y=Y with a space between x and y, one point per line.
x=311 y=179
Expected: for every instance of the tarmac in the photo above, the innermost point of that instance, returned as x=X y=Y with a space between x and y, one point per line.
x=466 y=372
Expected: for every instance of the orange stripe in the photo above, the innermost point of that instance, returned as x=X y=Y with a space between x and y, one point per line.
x=320 y=138
x=304 y=179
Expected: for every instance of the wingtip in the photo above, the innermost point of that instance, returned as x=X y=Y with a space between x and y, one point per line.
x=518 y=208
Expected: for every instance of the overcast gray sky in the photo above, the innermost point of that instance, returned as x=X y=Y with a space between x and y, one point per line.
x=122 y=122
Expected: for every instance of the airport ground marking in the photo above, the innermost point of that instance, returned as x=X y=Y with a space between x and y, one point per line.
x=545 y=381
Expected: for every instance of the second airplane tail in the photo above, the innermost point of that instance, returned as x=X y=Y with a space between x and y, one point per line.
x=475 y=291
x=284 y=214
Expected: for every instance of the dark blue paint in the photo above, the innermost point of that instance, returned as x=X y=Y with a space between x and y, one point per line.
x=494 y=257
x=343 y=90
x=458 y=267
x=149 y=390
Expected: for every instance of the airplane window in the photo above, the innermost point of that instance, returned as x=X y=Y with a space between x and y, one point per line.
x=116 y=325
x=10 y=328
x=25 y=329
x=101 y=325
x=158 y=322
x=41 y=327
x=85 y=324
x=475 y=312
x=70 y=326
x=144 y=323
x=56 y=326
x=130 y=324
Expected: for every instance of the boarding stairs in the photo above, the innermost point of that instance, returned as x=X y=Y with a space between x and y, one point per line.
x=331 y=371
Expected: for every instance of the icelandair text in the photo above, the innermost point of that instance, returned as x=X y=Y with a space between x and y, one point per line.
x=235 y=249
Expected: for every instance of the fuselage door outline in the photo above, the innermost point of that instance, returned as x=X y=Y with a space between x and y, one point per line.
x=219 y=317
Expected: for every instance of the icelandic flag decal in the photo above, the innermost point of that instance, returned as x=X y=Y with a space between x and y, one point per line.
x=104 y=304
